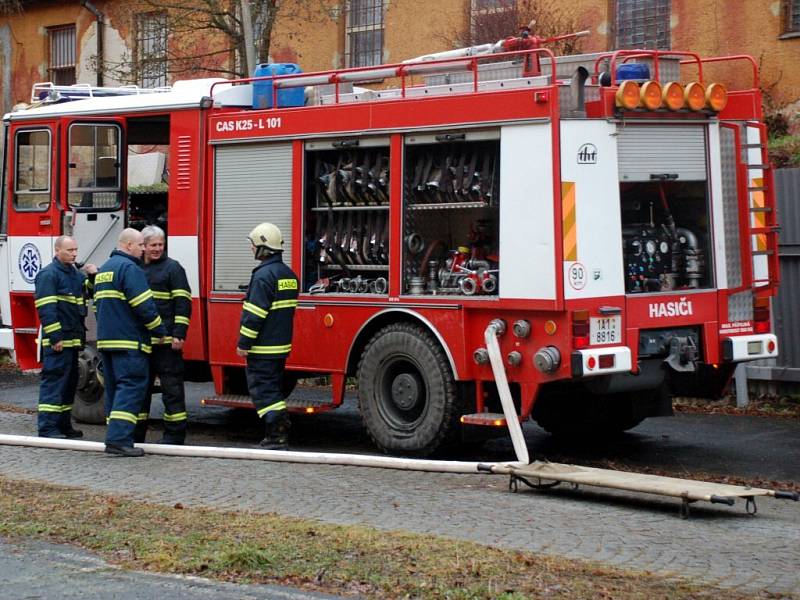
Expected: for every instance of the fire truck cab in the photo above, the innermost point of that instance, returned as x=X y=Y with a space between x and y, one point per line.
x=613 y=212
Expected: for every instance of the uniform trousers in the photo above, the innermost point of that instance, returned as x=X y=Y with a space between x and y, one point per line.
x=57 y=390
x=126 y=376
x=167 y=365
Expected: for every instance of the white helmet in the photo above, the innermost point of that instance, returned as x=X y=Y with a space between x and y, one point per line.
x=267 y=235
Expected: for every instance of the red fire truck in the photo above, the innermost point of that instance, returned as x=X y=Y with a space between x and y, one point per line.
x=611 y=214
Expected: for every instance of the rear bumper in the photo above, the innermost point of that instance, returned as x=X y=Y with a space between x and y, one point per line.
x=749 y=347
x=589 y=362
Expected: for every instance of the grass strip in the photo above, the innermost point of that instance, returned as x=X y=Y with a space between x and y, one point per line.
x=247 y=547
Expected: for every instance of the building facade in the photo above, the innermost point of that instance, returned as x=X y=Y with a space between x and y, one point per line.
x=110 y=42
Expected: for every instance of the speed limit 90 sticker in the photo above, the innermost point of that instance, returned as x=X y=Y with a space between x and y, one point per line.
x=576 y=276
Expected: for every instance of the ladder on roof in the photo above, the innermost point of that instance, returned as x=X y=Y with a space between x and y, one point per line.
x=49 y=92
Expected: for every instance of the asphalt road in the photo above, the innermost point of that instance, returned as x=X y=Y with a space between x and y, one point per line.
x=37 y=570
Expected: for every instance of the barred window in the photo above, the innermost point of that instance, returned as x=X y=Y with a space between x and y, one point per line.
x=151 y=49
x=492 y=20
x=642 y=24
x=61 y=41
x=792 y=18
x=364 y=33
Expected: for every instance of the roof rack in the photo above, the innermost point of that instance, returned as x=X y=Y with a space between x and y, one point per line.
x=49 y=93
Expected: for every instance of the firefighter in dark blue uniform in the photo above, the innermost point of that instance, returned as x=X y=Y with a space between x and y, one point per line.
x=127 y=318
x=167 y=280
x=60 y=301
x=265 y=332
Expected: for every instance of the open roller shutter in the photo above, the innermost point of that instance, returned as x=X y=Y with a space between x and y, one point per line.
x=253 y=184
x=646 y=150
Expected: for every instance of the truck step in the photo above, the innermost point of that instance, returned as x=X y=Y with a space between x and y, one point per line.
x=296 y=403
x=485 y=419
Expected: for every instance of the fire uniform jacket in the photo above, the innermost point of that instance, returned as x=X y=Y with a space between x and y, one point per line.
x=268 y=312
x=126 y=313
x=60 y=302
x=172 y=294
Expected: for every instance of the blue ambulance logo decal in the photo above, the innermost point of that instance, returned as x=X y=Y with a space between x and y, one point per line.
x=30 y=262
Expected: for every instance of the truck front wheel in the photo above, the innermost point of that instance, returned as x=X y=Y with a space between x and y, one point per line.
x=406 y=391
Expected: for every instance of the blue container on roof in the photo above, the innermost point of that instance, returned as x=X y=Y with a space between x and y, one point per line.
x=262 y=90
x=636 y=71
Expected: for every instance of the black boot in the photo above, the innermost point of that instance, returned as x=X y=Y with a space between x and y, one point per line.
x=72 y=433
x=129 y=451
x=276 y=436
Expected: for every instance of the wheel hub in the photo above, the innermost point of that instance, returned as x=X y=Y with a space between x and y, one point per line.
x=406 y=391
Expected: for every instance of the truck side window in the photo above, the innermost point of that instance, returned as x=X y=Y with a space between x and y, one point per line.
x=94 y=167
x=32 y=173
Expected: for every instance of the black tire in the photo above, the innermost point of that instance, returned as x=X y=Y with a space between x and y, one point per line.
x=89 y=406
x=406 y=391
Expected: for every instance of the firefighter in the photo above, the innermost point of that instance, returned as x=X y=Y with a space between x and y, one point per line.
x=167 y=280
x=61 y=304
x=265 y=333
x=127 y=318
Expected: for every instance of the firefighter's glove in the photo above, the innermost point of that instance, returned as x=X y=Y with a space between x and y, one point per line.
x=241 y=352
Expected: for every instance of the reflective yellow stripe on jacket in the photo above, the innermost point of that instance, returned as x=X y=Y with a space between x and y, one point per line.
x=74 y=343
x=257 y=311
x=270 y=349
x=123 y=345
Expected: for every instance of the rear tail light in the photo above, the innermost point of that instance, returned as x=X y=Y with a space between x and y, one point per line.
x=580 y=329
x=761 y=315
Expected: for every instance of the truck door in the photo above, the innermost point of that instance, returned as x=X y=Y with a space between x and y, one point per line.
x=32 y=223
x=92 y=200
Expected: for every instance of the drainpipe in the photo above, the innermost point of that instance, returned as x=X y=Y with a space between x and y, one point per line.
x=100 y=29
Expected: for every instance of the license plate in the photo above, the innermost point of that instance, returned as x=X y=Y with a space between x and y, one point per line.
x=754 y=348
x=605 y=330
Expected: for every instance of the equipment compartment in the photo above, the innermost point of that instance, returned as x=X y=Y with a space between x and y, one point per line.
x=665 y=236
x=347 y=217
x=450 y=214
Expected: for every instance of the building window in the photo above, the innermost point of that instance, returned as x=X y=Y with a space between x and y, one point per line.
x=364 y=33
x=792 y=16
x=151 y=49
x=492 y=20
x=642 y=24
x=62 y=54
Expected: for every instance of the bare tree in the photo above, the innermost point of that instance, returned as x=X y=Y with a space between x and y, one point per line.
x=490 y=22
x=9 y=7
x=211 y=37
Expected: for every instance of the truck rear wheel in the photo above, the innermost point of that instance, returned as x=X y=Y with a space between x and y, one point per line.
x=89 y=406
x=406 y=391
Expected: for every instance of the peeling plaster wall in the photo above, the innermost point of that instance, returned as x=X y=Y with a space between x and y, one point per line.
x=5 y=68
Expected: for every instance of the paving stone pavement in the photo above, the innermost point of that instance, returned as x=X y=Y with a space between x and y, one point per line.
x=717 y=545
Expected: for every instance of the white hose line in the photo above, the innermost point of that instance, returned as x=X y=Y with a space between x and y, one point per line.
x=510 y=412
x=324 y=458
